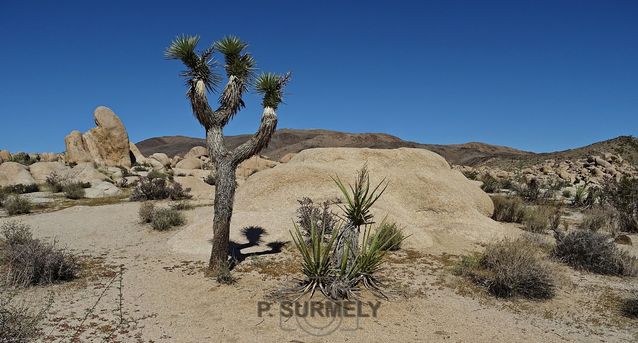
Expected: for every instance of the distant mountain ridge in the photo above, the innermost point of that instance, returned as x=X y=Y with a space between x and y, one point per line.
x=286 y=141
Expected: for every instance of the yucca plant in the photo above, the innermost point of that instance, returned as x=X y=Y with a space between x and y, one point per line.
x=391 y=233
x=316 y=254
x=359 y=199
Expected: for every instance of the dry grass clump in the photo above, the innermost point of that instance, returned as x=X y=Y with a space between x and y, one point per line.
x=74 y=190
x=146 y=212
x=30 y=261
x=19 y=323
x=630 y=306
x=599 y=219
x=181 y=205
x=157 y=188
x=594 y=252
x=20 y=189
x=510 y=268
x=623 y=197
x=166 y=218
x=15 y=204
x=490 y=184
x=542 y=218
x=508 y=209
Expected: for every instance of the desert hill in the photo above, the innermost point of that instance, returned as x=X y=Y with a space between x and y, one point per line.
x=287 y=141
x=470 y=154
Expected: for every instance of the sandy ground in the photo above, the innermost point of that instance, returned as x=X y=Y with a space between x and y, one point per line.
x=166 y=297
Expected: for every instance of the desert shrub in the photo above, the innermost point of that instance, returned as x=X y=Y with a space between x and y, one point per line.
x=510 y=268
x=157 y=189
x=146 y=212
x=623 y=197
x=508 y=209
x=55 y=182
x=629 y=306
x=166 y=218
x=24 y=158
x=20 y=189
x=594 y=252
x=3 y=198
x=567 y=194
x=211 y=179
x=181 y=205
x=531 y=191
x=15 y=204
x=139 y=168
x=156 y=174
x=542 y=218
x=471 y=174
x=223 y=275
x=598 y=219
x=73 y=190
x=490 y=184
x=308 y=214
x=19 y=322
x=579 y=196
x=30 y=261
x=392 y=234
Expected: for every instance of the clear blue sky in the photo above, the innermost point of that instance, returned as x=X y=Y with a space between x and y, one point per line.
x=535 y=75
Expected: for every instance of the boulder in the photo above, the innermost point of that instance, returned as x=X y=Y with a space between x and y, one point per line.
x=155 y=164
x=438 y=207
x=106 y=145
x=600 y=162
x=86 y=172
x=5 y=156
x=49 y=157
x=196 y=152
x=101 y=190
x=41 y=170
x=287 y=157
x=162 y=158
x=136 y=154
x=175 y=159
x=189 y=163
x=253 y=165
x=13 y=173
x=76 y=150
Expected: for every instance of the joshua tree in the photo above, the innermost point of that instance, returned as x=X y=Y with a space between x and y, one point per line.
x=201 y=79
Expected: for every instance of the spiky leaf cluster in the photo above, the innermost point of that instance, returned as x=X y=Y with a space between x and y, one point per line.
x=360 y=198
x=271 y=86
x=236 y=64
x=200 y=67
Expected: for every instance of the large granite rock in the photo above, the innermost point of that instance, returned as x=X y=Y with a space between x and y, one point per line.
x=41 y=170
x=12 y=173
x=106 y=145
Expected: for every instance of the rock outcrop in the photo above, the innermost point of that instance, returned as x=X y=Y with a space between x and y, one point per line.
x=12 y=173
x=437 y=206
x=4 y=156
x=106 y=145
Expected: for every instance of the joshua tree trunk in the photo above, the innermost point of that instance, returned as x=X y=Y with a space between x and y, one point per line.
x=226 y=163
x=224 y=198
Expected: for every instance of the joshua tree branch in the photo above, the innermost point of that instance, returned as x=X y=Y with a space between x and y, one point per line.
x=230 y=101
x=260 y=139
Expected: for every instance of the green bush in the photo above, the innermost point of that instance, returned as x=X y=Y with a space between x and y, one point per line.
x=508 y=209
x=567 y=194
x=510 y=268
x=16 y=204
x=594 y=252
x=166 y=218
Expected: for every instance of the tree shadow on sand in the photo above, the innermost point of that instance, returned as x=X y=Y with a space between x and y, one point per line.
x=253 y=234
